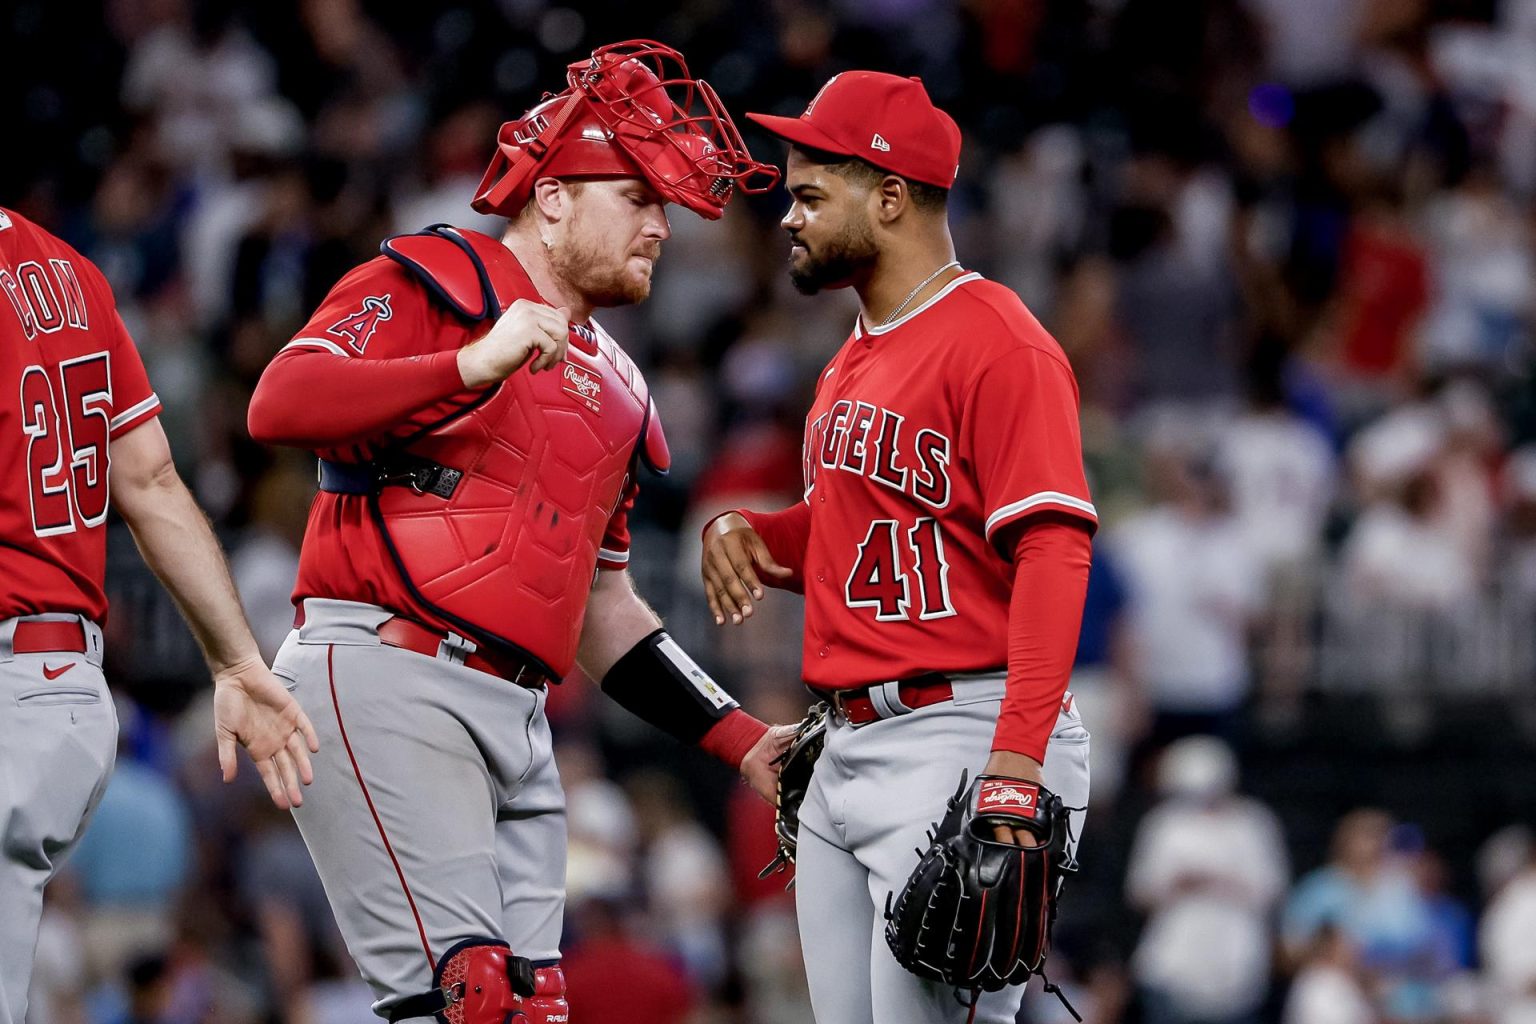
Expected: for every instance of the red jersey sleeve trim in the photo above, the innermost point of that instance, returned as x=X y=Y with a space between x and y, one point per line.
x=133 y=416
x=613 y=561
x=1038 y=502
x=329 y=346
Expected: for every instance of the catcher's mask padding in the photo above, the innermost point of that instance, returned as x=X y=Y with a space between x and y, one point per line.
x=478 y=981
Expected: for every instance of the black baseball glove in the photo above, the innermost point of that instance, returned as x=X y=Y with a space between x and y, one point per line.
x=795 y=766
x=977 y=913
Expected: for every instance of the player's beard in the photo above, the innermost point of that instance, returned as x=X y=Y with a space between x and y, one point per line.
x=604 y=281
x=836 y=261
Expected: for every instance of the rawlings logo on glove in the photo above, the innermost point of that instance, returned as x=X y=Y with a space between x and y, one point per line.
x=1008 y=797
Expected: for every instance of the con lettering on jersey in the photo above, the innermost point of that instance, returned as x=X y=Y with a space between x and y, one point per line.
x=927 y=439
x=70 y=381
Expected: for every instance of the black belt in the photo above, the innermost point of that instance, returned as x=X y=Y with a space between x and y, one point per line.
x=421 y=475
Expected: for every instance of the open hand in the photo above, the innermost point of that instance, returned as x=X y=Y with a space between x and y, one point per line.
x=733 y=556
x=251 y=708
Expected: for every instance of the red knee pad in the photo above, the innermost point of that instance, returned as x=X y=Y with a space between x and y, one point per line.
x=478 y=981
x=548 y=1005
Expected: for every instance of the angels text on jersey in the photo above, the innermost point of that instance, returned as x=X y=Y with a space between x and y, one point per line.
x=874 y=442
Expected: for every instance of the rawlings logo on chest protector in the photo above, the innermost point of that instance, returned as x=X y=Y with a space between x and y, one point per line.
x=584 y=384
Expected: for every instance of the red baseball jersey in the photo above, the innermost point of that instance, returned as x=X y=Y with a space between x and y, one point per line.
x=70 y=381
x=928 y=437
x=379 y=312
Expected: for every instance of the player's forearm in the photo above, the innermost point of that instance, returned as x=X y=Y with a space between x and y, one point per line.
x=653 y=678
x=616 y=619
x=177 y=543
x=310 y=398
x=1044 y=616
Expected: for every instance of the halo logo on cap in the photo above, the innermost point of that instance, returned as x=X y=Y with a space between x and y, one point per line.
x=819 y=94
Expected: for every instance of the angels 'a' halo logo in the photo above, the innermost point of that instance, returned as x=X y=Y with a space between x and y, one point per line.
x=357 y=327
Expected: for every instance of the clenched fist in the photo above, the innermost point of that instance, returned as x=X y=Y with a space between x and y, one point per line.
x=527 y=329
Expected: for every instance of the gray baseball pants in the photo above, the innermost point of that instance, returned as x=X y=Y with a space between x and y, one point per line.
x=436 y=814
x=876 y=790
x=58 y=742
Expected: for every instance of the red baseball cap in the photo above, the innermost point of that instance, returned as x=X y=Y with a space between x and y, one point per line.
x=885 y=119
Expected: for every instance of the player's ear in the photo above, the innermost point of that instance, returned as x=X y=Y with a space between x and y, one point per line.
x=892 y=198
x=549 y=196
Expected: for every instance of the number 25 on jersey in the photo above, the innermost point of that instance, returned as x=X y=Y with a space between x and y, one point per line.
x=67 y=428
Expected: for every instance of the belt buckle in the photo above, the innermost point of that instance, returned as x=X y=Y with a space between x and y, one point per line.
x=834 y=699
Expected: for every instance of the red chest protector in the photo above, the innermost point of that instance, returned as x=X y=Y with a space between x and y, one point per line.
x=506 y=501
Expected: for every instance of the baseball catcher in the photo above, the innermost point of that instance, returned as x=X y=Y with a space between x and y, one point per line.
x=481 y=440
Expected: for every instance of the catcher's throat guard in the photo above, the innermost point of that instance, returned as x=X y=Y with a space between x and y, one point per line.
x=630 y=110
x=977 y=913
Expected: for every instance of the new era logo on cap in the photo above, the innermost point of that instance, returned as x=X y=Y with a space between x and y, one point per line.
x=915 y=139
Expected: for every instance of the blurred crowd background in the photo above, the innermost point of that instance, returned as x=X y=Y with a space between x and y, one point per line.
x=1289 y=248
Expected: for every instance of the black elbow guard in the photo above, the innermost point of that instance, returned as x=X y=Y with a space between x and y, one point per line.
x=657 y=682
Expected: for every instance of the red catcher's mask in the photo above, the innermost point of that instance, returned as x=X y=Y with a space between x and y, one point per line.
x=631 y=110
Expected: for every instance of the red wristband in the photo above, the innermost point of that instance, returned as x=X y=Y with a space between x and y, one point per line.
x=732 y=737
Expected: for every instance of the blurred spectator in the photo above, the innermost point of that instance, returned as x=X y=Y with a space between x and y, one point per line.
x=1421 y=542
x=1207 y=867
x=1485 y=276
x=685 y=875
x=1194 y=586
x=611 y=976
x=197 y=73
x=1382 y=291
x=1519 y=573
x=1508 y=950
x=1369 y=892
x=149 y=990
x=1279 y=472
x=59 y=970
x=1103 y=682
x=1330 y=987
x=455 y=160
x=603 y=834
x=131 y=864
x=266 y=562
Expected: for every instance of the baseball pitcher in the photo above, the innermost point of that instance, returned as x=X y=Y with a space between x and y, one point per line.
x=942 y=546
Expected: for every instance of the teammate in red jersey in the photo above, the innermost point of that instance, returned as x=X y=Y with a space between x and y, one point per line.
x=79 y=429
x=480 y=437
x=942 y=544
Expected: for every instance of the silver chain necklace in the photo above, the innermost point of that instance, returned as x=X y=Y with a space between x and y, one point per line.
x=913 y=293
